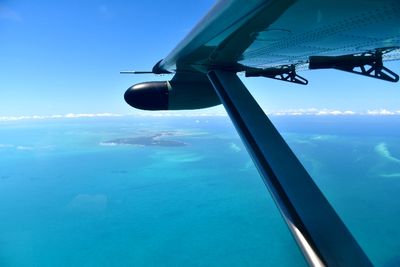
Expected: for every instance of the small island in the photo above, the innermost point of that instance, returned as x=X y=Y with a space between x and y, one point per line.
x=158 y=139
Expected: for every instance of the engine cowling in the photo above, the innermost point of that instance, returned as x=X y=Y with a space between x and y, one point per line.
x=172 y=95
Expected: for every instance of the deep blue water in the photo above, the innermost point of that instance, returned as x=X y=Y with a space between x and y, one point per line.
x=68 y=198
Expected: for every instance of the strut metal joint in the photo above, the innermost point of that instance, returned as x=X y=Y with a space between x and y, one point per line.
x=367 y=64
x=284 y=73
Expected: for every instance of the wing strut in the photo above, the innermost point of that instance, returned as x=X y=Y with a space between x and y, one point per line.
x=318 y=230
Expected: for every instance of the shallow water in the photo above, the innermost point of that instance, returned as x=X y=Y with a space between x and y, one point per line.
x=66 y=199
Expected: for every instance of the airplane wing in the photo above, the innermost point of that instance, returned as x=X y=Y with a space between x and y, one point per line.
x=241 y=35
x=277 y=39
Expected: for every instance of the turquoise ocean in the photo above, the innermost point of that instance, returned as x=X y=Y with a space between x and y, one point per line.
x=182 y=191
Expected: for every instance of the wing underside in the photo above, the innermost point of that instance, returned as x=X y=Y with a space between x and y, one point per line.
x=241 y=35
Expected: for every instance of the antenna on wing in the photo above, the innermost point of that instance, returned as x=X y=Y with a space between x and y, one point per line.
x=157 y=69
x=135 y=72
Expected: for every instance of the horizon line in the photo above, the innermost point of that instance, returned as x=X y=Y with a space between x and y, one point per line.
x=289 y=112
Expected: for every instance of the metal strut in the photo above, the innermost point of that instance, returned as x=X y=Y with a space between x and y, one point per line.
x=318 y=230
x=284 y=73
x=366 y=64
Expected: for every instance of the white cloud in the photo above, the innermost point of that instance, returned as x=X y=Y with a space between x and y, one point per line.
x=381 y=112
x=180 y=114
x=332 y=112
x=196 y=114
x=312 y=112
x=89 y=115
x=67 y=116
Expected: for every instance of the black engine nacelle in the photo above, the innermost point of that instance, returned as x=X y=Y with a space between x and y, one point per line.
x=172 y=95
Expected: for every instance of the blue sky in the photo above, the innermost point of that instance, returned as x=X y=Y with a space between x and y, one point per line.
x=62 y=57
